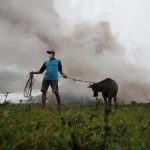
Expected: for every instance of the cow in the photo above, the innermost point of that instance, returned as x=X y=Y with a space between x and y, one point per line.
x=108 y=88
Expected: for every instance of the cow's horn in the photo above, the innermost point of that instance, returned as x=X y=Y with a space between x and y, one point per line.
x=90 y=85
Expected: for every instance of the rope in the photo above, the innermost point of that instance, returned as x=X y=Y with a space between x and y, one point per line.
x=29 y=86
x=78 y=80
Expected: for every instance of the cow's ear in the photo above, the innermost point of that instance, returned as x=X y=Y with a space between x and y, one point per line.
x=90 y=86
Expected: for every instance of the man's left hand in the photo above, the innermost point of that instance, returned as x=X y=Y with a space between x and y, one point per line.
x=64 y=76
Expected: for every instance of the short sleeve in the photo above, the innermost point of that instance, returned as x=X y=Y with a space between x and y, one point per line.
x=43 y=68
x=59 y=66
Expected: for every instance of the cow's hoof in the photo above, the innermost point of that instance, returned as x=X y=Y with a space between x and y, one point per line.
x=107 y=127
x=108 y=110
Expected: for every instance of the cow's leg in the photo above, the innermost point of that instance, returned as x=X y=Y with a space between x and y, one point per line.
x=110 y=105
x=106 y=105
x=115 y=101
x=96 y=102
x=106 y=110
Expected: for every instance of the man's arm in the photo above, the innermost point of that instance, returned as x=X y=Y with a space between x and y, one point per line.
x=60 y=70
x=39 y=71
x=36 y=72
x=64 y=76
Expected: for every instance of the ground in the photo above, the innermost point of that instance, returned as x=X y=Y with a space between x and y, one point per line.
x=28 y=127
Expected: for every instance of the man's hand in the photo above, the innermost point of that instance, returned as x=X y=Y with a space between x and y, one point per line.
x=31 y=73
x=35 y=72
x=64 y=76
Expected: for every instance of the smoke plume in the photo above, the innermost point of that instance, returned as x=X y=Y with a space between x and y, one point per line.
x=89 y=52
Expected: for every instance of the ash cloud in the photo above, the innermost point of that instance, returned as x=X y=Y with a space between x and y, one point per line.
x=89 y=52
x=94 y=53
x=13 y=81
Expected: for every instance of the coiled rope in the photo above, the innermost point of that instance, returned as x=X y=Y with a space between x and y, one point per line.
x=28 y=87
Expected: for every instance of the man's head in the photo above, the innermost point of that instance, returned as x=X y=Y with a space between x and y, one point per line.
x=51 y=54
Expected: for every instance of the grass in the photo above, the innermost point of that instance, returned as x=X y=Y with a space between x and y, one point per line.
x=76 y=127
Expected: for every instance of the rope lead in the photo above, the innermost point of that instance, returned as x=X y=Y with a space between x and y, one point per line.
x=29 y=86
x=78 y=80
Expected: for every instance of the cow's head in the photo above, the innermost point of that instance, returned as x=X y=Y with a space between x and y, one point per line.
x=95 y=90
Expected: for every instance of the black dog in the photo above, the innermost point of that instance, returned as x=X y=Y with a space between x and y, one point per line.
x=109 y=89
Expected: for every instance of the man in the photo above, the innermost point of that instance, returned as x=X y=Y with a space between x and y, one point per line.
x=52 y=67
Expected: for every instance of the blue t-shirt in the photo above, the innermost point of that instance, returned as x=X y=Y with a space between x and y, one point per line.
x=52 y=66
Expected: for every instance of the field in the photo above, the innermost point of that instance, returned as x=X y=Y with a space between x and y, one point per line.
x=76 y=127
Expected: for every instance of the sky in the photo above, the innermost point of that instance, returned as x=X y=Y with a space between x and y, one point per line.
x=93 y=39
x=129 y=20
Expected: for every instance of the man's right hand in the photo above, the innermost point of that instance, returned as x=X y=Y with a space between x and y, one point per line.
x=31 y=73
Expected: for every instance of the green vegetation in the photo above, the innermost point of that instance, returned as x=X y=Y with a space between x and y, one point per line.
x=28 y=127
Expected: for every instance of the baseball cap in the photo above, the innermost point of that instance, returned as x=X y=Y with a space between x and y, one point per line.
x=51 y=52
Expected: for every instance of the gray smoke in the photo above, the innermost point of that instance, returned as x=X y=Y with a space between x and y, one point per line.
x=89 y=52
